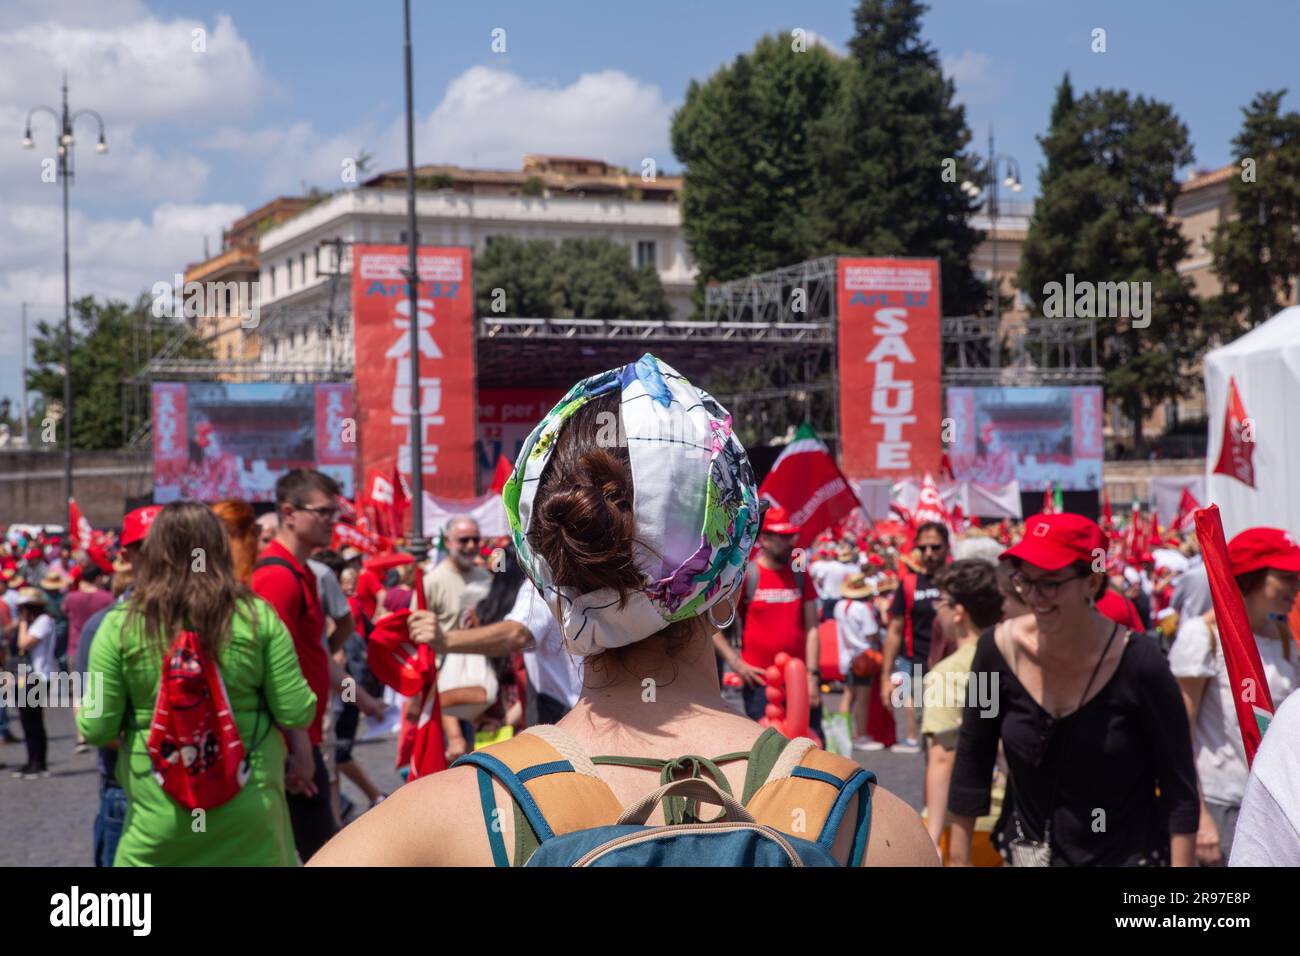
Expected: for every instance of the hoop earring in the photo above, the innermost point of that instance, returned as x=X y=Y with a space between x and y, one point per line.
x=730 y=617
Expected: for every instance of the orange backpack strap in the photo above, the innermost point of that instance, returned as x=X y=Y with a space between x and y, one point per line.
x=553 y=784
x=809 y=791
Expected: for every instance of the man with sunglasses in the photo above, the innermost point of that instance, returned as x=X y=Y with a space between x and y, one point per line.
x=306 y=503
x=911 y=622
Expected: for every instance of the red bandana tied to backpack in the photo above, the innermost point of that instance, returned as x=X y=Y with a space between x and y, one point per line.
x=197 y=753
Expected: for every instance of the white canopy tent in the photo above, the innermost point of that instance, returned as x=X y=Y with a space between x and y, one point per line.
x=1266 y=365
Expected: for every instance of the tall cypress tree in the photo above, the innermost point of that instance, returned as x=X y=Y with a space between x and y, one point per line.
x=880 y=154
x=1257 y=253
x=1104 y=216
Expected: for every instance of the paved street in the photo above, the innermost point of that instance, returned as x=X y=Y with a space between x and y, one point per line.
x=48 y=822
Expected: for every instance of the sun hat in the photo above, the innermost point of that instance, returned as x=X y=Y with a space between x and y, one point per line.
x=32 y=596
x=695 y=506
x=856 y=587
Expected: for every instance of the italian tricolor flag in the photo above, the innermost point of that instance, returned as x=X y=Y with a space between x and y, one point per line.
x=807 y=483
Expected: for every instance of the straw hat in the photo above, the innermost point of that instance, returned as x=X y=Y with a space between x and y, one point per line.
x=856 y=587
x=55 y=580
x=28 y=596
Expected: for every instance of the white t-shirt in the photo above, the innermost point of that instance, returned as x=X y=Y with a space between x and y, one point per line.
x=42 y=654
x=1268 y=826
x=1216 y=737
x=856 y=630
x=829 y=576
x=552 y=670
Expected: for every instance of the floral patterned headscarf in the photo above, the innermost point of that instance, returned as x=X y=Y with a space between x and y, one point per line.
x=695 y=505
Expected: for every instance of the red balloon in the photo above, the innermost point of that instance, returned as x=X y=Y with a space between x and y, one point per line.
x=775 y=676
x=775 y=695
x=796 y=699
x=781 y=659
x=773 y=712
x=764 y=722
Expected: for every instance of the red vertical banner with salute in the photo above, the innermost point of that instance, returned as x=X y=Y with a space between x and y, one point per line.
x=1250 y=694
x=445 y=336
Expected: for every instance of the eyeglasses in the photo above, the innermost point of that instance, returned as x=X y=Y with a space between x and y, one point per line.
x=1024 y=586
x=324 y=512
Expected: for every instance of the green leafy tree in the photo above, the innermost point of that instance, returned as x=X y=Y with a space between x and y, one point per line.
x=579 y=278
x=744 y=137
x=1257 y=253
x=108 y=348
x=1104 y=216
x=891 y=155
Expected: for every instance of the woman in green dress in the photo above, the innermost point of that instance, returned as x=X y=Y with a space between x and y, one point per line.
x=184 y=579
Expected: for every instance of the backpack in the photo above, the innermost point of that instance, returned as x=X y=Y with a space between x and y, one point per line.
x=198 y=756
x=565 y=815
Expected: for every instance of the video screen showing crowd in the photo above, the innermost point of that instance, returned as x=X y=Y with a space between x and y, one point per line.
x=648 y=639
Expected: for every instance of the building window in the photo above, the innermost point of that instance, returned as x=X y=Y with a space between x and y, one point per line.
x=303 y=266
x=270 y=281
x=646 y=254
x=401 y=237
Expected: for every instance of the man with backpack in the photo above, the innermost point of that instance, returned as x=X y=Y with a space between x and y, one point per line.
x=306 y=503
x=777 y=611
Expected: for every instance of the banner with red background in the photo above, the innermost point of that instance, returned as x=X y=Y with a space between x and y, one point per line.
x=380 y=312
x=506 y=416
x=889 y=367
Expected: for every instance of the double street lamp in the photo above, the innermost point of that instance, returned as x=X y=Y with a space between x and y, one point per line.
x=1011 y=180
x=65 y=119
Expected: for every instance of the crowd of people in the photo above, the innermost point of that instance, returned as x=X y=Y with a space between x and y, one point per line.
x=1068 y=711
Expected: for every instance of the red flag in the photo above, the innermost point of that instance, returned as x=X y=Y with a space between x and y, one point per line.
x=930 y=506
x=380 y=503
x=1236 y=455
x=958 y=523
x=401 y=502
x=502 y=474
x=1187 y=505
x=1251 y=697
x=80 y=533
x=1153 y=541
x=1048 y=505
x=807 y=483
x=346 y=535
x=1108 y=517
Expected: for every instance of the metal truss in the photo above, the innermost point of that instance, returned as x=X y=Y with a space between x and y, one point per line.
x=772 y=296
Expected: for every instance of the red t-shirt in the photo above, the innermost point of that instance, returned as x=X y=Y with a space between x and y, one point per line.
x=369 y=585
x=774 y=617
x=293 y=595
x=1119 y=609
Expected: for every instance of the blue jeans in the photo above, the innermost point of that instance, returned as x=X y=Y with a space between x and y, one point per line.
x=108 y=824
x=4 y=720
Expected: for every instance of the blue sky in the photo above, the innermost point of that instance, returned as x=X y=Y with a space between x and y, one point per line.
x=284 y=91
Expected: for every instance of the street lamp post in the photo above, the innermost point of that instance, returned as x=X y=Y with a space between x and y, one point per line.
x=1011 y=169
x=419 y=544
x=66 y=172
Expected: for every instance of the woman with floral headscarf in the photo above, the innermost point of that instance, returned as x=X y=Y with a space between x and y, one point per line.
x=633 y=509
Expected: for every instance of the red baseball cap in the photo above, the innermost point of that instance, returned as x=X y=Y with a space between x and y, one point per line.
x=1257 y=548
x=136 y=524
x=777 y=521
x=1052 y=542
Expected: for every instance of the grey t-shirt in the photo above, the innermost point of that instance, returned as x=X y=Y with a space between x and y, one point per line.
x=332 y=599
x=1191 y=597
x=1268 y=827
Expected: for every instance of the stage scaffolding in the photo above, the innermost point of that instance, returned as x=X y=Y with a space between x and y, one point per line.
x=766 y=347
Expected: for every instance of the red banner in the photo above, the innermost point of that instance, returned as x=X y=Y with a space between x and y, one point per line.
x=889 y=366
x=381 y=312
x=506 y=416
x=170 y=425
x=1237 y=451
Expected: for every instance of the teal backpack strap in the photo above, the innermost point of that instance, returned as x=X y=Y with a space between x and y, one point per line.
x=489 y=801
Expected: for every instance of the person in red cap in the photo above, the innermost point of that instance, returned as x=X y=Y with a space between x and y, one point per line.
x=1088 y=716
x=1266 y=565
x=777 y=611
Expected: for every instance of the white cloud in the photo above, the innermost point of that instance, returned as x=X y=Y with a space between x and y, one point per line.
x=488 y=117
x=977 y=80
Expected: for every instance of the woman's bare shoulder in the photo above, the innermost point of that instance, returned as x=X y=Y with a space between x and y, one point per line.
x=897 y=836
x=434 y=821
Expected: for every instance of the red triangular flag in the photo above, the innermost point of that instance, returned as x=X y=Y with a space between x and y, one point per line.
x=1250 y=697
x=502 y=474
x=80 y=533
x=1238 y=450
x=1187 y=505
x=1108 y=516
x=930 y=506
